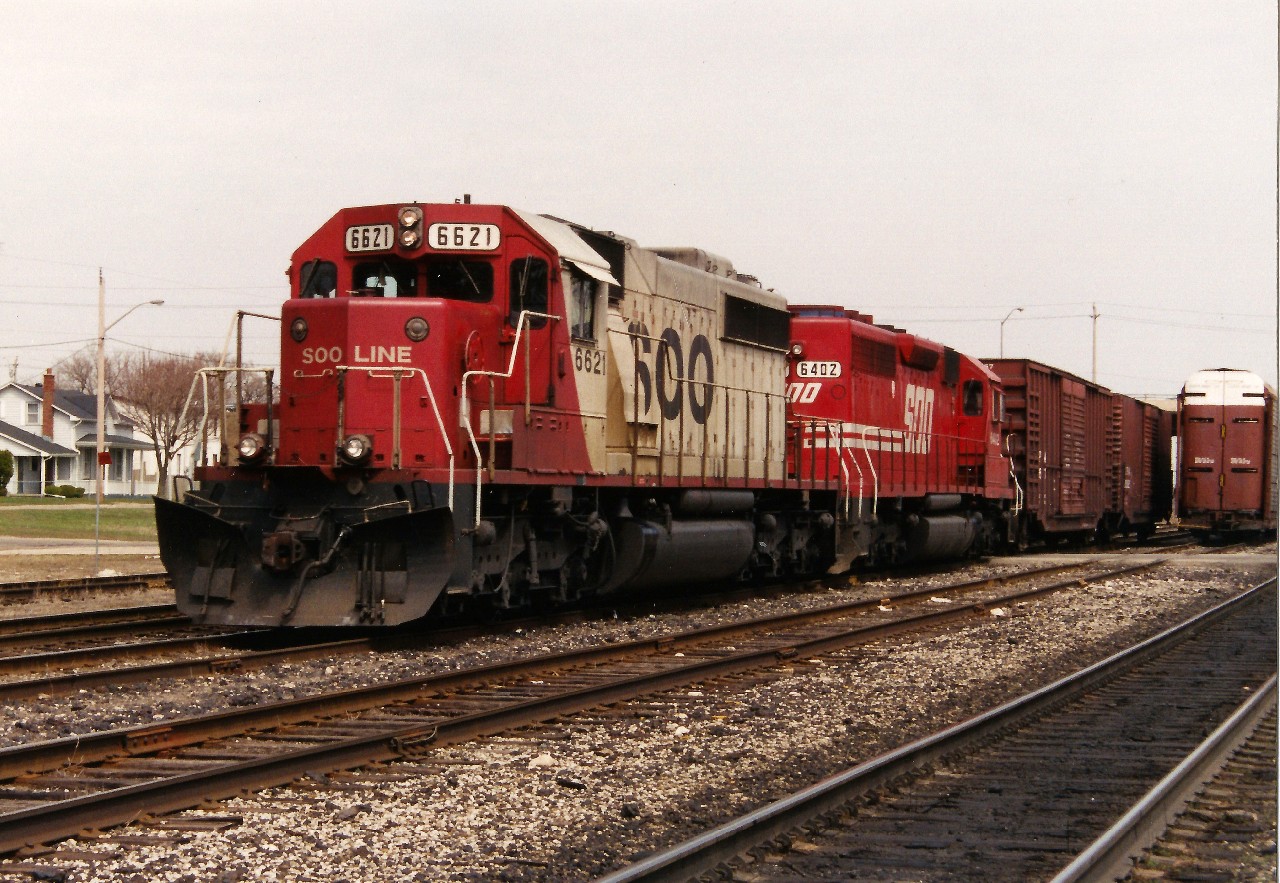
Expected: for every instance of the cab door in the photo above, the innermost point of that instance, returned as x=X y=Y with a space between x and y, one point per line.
x=529 y=296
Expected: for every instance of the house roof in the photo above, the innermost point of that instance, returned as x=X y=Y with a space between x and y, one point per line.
x=90 y=440
x=80 y=405
x=35 y=444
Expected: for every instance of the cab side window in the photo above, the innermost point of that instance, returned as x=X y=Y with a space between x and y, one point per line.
x=582 y=305
x=972 y=403
x=318 y=279
x=528 y=290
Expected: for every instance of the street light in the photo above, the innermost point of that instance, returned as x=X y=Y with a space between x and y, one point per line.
x=1002 y=321
x=103 y=328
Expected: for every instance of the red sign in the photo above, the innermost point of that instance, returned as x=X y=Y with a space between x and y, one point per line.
x=104 y=458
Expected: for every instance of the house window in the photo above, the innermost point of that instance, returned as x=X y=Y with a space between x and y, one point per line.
x=64 y=468
x=33 y=413
x=115 y=472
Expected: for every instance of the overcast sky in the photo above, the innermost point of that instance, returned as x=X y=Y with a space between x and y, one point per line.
x=937 y=164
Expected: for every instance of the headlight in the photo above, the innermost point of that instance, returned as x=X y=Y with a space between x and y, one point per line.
x=355 y=449
x=410 y=218
x=417 y=329
x=298 y=329
x=251 y=447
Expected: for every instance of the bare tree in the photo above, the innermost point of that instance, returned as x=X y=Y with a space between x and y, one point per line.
x=80 y=372
x=151 y=390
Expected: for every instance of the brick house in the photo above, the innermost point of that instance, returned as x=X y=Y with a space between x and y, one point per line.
x=52 y=435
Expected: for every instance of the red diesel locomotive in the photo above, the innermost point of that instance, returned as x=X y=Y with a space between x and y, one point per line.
x=1227 y=453
x=482 y=407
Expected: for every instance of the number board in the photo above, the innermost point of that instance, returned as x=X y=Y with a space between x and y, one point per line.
x=464 y=237
x=817 y=369
x=370 y=237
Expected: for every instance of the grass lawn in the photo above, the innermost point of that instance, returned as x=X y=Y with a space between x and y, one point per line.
x=73 y=519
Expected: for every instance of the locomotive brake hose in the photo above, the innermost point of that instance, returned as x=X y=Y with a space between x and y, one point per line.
x=296 y=595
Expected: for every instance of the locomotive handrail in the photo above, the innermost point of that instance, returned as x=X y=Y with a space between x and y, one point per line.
x=1018 y=497
x=464 y=400
x=395 y=374
x=924 y=458
x=834 y=431
x=202 y=377
x=855 y=435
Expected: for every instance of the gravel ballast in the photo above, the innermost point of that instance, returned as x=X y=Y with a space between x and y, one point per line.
x=579 y=796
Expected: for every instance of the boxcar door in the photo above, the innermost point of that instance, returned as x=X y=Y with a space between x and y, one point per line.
x=1241 y=467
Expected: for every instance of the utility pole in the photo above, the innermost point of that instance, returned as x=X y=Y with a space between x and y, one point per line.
x=1094 y=315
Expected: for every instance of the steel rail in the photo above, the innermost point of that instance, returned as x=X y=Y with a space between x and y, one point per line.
x=64 y=818
x=64 y=659
x=703 y=853
x=207 y=665
x=1112 y=855
x=28 y=624
x=252 y=659
x=99 y=630
x=94 y=583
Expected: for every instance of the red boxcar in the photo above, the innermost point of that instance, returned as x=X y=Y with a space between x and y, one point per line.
x=1056 y=434
x=1227 y=452
x=1141 y=471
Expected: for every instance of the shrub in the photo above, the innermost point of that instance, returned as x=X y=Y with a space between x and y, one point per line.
x=70 y=491
x=6 y=471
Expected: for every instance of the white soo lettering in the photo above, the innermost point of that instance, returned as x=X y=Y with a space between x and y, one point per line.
x=321 y=355
x=918 y=415
x=362 y=355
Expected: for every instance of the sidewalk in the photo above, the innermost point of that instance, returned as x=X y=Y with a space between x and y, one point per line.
x=57 y=546
x=7 y=507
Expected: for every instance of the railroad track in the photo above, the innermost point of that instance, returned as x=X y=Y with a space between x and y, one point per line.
x=46 y=643
x=208 y=652
x=57 y=788
x=1223 y=785
x=13 y=591
x=1014 y=793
